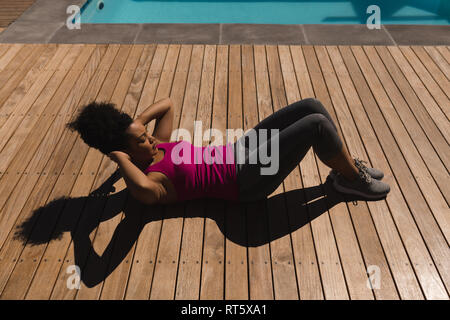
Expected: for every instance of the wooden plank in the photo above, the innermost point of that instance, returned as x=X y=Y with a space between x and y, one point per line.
x=368 y=238
x=14 y=66
x=426 y=183
x=90 y=208
x=236 y=275
x=36 y=100
x=10 y=54
x=19 y=159
x=22 y=155
x=4 y=47
x=141 y=274
x=123 y=227
x=427 y=100
x=11 y=16
x=165 y=274
x=47 y=272
x=104 y=209
x=441 y=80
x=16 y=201
x=439 y=60
x=346 y=242
x=189 y=266
x=115 y=283
x=328 y=258
x=13 y=58
x=12 y=7
x=445 y=52
x=259 y=266
x=213 y=265
x=112 y=280
x=392 y=245
x=50 y=263
x=11 y=10
x=348 y=246
x=439 y=96
x=127 y=230
x=426 y=223
x=283 y=265
x=419 y=111
x=22 y=274
x=28 y=65
x=264 y=110
x=402 y=272
x=308 y=275
x=418 y=254
x=403 y=114
x=27 y=82
x=410 y=223
x=15 y=3
x=97 y=267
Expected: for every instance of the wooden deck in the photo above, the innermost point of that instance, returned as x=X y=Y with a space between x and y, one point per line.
x=392 y=106
x=10 y=10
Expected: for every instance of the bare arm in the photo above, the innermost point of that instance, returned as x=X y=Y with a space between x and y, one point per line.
x=140 y=186
x=163 y=112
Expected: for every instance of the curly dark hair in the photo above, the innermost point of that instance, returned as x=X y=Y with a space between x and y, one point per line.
x=102 y=126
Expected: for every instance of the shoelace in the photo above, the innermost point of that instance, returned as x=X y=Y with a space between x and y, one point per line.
x=360 y=163
x=363 y=170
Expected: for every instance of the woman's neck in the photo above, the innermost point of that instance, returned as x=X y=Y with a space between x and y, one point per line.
x=144 y=164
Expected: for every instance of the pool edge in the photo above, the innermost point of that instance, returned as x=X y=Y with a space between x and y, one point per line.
x=52 y=29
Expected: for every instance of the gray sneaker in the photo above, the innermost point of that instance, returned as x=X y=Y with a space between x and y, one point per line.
x=374 y=173
x=363 y=185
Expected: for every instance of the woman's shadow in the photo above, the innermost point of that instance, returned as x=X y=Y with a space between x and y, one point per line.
x=265 y=221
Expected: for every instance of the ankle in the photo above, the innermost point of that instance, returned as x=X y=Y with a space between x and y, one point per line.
x=350 y=176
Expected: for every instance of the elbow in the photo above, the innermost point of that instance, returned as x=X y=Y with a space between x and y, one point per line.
x=169 y=102
x=141 y=197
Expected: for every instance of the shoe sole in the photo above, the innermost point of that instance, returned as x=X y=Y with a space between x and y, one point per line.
x=356 y=192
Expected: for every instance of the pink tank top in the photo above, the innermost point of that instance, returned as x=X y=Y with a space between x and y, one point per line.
x=198 y=172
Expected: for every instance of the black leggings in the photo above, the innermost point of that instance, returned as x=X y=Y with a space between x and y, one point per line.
x=302 y=125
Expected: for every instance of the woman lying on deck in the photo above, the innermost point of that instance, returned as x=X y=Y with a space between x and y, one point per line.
x=158 y=171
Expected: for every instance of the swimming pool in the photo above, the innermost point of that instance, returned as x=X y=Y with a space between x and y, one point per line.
x=265 y=11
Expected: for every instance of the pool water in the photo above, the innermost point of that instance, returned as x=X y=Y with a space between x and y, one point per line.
x=265 y=11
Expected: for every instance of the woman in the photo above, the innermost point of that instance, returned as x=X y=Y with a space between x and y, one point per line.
x=153 y=172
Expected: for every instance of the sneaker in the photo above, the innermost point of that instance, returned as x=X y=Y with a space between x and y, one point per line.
x=363 y=186
x=374 y=173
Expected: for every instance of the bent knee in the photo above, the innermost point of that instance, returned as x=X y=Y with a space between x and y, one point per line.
x=321 y=123
x=312 y=100
x=318 y=118
x=314 y=105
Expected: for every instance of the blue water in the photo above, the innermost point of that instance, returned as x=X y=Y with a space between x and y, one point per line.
x=266 y=11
